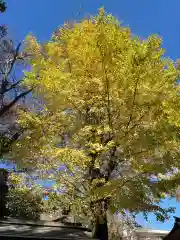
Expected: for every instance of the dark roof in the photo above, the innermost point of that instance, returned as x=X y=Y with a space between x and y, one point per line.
x=175 y=232
x=16 y=229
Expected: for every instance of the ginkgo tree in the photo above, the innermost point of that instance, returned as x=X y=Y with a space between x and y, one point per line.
x=108 y=130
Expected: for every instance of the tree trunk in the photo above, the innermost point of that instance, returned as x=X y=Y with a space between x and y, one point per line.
x=101 y=228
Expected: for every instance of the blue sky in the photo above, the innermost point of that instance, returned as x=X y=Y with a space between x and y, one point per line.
x=144 y=17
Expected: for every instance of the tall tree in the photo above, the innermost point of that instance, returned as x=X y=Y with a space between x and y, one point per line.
x=108 y=130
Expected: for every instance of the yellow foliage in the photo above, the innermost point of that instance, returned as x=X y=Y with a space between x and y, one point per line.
x=117 y=98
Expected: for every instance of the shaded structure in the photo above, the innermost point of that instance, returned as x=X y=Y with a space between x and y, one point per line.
x=11 y=228
x=149 y=234
x=175 y=232
x=16 y=229
x=3 y=192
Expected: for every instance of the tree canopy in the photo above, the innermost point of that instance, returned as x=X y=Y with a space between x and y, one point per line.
x=24 y=203
x=108 y=127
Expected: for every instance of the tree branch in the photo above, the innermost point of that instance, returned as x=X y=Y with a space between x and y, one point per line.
x=4 y=84
x=133 y=102
x=135 y=125
x=12 y=86
x=13 y=61
x=5 y=108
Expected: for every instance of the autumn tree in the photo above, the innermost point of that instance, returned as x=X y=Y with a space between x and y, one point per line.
x=24 y=203
x=24 y=199
x=108 y=129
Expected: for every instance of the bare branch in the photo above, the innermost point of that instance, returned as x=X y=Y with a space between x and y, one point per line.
x=13 y=61
x=5 y=108
x=12 y=86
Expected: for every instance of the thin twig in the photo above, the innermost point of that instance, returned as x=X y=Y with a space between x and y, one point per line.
x=133 y=103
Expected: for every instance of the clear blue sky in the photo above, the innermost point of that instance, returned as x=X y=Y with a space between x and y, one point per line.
x=144 y=17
